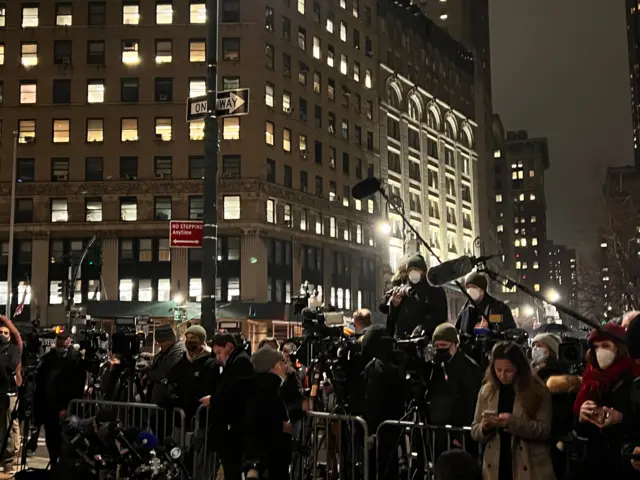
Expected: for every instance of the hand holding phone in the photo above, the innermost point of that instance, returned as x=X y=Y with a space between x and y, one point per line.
x=489 y=418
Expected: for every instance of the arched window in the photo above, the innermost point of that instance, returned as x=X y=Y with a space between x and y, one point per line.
x=467 y=136
x=433 y=118
x=393 y=96
x=450 y=128
x=415 y=112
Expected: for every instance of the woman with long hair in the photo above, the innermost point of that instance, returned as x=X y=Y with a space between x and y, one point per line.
x=608 y=405
x=513 y=418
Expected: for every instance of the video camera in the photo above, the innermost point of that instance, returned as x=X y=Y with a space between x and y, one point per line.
x=129 y=340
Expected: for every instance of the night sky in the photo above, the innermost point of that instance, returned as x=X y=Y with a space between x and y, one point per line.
x=560 y=70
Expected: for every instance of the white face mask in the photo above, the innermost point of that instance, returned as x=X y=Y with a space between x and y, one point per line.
x=538 y=354
x=605 y=357
x=474 y=293
x=415 y=277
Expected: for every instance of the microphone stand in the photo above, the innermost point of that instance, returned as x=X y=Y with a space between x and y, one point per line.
x=413 y=229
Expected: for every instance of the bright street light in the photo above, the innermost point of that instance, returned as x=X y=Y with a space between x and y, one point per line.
x=552 y=295
x=178 y=298
x=384 y=227
x=528 y=311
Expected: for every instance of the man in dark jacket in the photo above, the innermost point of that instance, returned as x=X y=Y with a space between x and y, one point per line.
x=9 y=381
x=424 y=306
x=60 y=378
x=454 y=383
x=228 y=403
x=268 y=430
x=497 y=313
x=170 y=353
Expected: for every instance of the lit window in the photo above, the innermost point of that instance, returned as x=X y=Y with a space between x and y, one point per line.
x=233 y=289
x=130 y=14
x=196 y=130
x=197 y=50
x=358 y=204
x=231 y=207
x=268 y=94
x=63 y=14
x=269 y=133
x=125 y=290
x=370 y=206
x=368 y=79
x=164 y=51
x=516 y=243
x=343 y=31
x=130 y=54
x=301 y=6
x=444 y=16
x=532 y=173
x=500 y=228
x=164 y=289
x=164 y=129
x=330 y=55
x=231 y=128
x=61 y=131
x=27 y=131
x=1 y=53
x=197 y=88
x=195 y=289
x=286 y=139
x=343 y=4
x=533 y=219
x=532 y=196
x=29 y=53
x=54 y=298
x=344 y=64
x=498 y=198
x=3 y=22
x=129 y=130
x=330 y=23
x=332 y=227
x=95 y=91
x=59 y=211
x=28 y=92
x=534 y=242
x=93 y=210
x=198 y=13
x=356 y=74
x=145 y=291
x=29 y=17
x=518 y=265
x=271 y=211
x=359 y=234
x=514 y=175
x=521 y=197
x=164 y=14
x=536 y=265
x=128 y=210
x=523 y=242
x=317 y=48
x=536 y=287
x=95 y=130
x=286 y=102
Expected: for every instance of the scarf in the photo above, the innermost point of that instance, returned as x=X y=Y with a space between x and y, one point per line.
x=596 y=382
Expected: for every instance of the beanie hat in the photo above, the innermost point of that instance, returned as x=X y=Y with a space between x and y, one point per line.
x=445 y=332
x=264 y=359
x=477 y=279
x=164 y=333
x=198 y=331
x=402 y=261
x=551 y=340
x=610 y=331
x=417 y=261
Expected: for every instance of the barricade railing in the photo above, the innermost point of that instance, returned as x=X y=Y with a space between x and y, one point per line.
x=414 y=447
x=144 y=416
x=205 y=459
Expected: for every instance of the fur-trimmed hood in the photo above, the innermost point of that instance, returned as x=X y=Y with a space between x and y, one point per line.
x=564 y=383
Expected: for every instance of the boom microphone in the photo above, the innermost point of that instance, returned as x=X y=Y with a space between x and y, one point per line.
x=449 y=271
x=365 y=188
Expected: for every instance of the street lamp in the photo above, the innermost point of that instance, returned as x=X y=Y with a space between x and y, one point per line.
x=384 y=227
x=528 y=311
x=178 y=298
x=552 y=295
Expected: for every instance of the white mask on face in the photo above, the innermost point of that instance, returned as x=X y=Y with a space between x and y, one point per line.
x=414 y=276
x=474 y=293
x=538 y=354
x=605 y=357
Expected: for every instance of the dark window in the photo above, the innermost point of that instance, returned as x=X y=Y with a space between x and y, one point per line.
x=230 y=83
x=26 y=170
x=164 y=89
x=269 y=53
x=95 y=52
x=286 y=65
x=231 y=166
x=129 y=90
x=24 y=210
x=97 y=13
x=93 y=169
x=196 y=208
x=231 y=49
x=62 y=91
x=356 y=39
x=345 y=163
x=370 y=141
x=318 y=152
x=271 y=170
x=128 y=168
x=286 y=29
x=269 y=22
x=162 y=208
x=62 y=52
x=302 y=106
x=162 y=167
x=317 y=115
x=368 y=48
x=304 y=181
x=230 y=11
x=319 y=186
x=359 y=168
x=196 y=167
x=1 y=91
x=59 y=169
x=358 y=132
x=288 y=176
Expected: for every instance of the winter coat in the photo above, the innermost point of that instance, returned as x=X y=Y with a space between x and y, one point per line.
x=469 y=315
x=426 y=308
x=530 y=435
x=163 y=362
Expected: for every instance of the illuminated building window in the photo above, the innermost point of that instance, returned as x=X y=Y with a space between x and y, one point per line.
x=536 y=287
x=196 y=129
x=130 y=14
x=197 y=12
x=268 y=94
x=270 y=133
x=63 y=14
x=500 y=228
x=26 y=131
x=95 y=91
x=197 y=50
x=231 y=207
x=95 y=130
x=125 y=290
x=29 y=54
x=164 y=13
x=368 y=78
x=130 y=52
x=30 y=17
x=163 y=129
x=59 y=210
x=532 y=196
x=271 y=211
x=197 y=87
x=164 y=51
x=129 y=130
x=61 y=131
x=498 y=198
x=28 y=92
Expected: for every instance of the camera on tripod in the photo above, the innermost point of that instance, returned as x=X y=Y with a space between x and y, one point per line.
x=128 y=341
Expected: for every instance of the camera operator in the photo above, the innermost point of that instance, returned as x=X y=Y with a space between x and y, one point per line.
x=420 y=305
x=498 y=313
x=228 y=403
x=170 y=354
x=60 y=378
x=9 y=380
x=398 y=279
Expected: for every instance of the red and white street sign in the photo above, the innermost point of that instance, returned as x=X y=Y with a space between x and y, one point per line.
x=185 y=233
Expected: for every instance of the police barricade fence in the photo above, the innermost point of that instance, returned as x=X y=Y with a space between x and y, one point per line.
x=405 y=449
x=144 y=416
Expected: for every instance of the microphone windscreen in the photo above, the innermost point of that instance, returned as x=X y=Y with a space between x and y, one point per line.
x=365 y=188
x=449 y=271
x=148 y=440
x=73 y=421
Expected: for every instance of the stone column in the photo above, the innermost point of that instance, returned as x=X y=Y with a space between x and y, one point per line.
x=110 y=257
x=296 y=253
x=253 y=276
x=40 y=276
x=355 y=280
x=180 y=272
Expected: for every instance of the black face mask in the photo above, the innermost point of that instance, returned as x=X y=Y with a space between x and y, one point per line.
x=192 y=346
x=442 y=355
x=4 y=340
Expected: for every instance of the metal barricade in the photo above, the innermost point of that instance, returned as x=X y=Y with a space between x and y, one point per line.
x=144 y=416
x=411 y=449
x=331 y=446
x=205 y=460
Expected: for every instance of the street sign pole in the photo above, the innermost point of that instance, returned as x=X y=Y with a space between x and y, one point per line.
x=210 y=229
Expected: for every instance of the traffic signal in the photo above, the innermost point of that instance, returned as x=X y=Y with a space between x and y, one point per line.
x=58 y=329
x=61 y=289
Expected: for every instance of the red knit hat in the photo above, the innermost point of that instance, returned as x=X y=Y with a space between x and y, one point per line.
x=610 y=331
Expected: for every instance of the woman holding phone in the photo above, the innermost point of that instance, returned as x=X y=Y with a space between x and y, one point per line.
x=608 y=405
x=513 y=419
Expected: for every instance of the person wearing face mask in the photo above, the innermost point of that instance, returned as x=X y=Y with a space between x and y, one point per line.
x=268 y=426
x=608 y=406
x=9 y=381
x=170 y=353
x=398 y=279
x=423 y=307
x=485 y=307
x=60 y=378
x=454 y=383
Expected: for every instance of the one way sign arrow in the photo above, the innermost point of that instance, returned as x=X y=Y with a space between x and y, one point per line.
x=229 y=104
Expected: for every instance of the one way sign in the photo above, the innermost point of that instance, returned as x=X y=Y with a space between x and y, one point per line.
x=228 y=104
